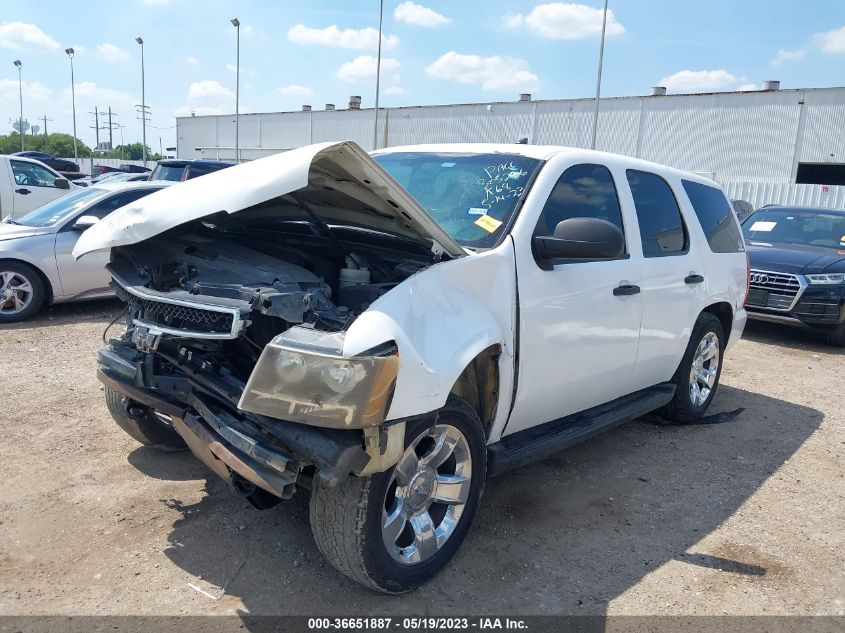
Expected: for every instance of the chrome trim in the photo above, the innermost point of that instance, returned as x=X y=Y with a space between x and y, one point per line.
x=802 y=286
x=237 y=322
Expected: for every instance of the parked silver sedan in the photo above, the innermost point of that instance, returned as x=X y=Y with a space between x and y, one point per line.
x=36 y=265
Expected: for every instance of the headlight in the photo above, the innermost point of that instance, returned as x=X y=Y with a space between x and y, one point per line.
x=828 y=278
x=303 y=377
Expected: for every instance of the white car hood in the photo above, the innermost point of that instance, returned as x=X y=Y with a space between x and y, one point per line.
x=317 y=169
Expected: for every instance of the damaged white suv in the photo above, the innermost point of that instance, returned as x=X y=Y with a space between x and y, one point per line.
x=389 y=330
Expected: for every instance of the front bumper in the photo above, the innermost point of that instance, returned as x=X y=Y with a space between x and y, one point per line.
x=273 y=455
x=817 y=307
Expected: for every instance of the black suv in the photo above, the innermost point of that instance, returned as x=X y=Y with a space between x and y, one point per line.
x=797 y=258
x=59 y=164
x=178 y=170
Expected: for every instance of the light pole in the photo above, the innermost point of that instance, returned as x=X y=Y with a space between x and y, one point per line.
x=143 y=106
x=598 y=79
x=70 y=52
x=378 y=71
x=17 y=63
x=236 y=23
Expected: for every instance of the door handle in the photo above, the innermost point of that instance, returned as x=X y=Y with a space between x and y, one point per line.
x=693 y=279
x=626 y=289
x=22 y=191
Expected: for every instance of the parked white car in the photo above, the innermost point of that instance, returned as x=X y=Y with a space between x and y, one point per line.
x=388 y=331
x=36 y=265
x=26 y=184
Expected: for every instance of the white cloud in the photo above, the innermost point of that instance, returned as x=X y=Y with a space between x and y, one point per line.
x=295 y=90
x=748 y=87
x=355 y=39
x=244 y=71
x=698 y=80
x=363 y=68
x=565 y=21
x=111 y=53
x=22 y=36
x=395 y=91
x=418 y=15
x=32 y=90
x=491 y=73
x=191 y=61
x=784 y=55
x=90 y=91
x=832 y=41
x=209 y=89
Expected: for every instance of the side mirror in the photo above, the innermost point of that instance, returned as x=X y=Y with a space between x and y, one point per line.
x=61 y=183
x=580 y=238
x=84 y=222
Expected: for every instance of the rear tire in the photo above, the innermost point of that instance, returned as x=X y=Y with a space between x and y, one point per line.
x=696 y=379
x=836 y=336
x=353 y=523
x=22 y=292
x=142 y=423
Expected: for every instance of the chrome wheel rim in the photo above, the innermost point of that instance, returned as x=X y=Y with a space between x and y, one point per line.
x=15 y=292
x=705 y=366
x=427 y=495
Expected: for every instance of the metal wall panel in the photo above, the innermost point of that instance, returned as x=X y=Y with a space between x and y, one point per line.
x=762 y=193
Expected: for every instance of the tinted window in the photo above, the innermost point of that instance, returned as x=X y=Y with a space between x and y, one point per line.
x=104 y=207
x=796 y=226
x=582 y=191
x=716 y=218
x=201 y=169
x=32 y=174
x=661 y=227
x=168 y=172
x=472 y=196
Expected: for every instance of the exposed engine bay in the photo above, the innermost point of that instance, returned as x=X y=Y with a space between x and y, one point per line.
x=231 y=284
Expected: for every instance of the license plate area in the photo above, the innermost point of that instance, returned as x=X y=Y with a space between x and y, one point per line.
x=757 y=297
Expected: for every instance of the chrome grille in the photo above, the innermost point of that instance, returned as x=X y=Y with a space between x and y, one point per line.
x=775 y=291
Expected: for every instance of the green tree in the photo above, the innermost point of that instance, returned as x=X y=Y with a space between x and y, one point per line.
x=133 y=151
x=57 y=144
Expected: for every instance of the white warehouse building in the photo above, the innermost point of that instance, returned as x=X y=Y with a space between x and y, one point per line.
x=767 y=146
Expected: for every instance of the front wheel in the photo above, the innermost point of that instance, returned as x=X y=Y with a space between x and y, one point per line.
x=21 y=292
x=147 y=426
x=698 y=374
x=395 y=530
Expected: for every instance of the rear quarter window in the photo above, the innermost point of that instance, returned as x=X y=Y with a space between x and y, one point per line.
x=715 y=216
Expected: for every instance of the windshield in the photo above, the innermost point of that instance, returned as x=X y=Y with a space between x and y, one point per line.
x=472 y=196
x=60 y=208
x=168 y=172
x=790 y=226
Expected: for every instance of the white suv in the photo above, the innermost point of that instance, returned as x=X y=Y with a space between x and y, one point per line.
x=389 y=330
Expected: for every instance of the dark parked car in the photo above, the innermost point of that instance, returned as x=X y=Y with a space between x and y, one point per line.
x=59 y=164
x=742 y=208
x=99 y=170
x=178 y=170
x=797 y=258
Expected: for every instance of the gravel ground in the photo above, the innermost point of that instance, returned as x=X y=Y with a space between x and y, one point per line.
x=745 y=517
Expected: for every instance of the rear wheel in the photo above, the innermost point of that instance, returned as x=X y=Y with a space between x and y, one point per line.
x=836 y=336
x=698 y=373
x=21 y=292
x=147 y=426
x=395 y=530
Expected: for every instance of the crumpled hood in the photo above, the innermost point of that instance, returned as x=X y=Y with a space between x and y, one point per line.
x=317 y=169
x=795 y=258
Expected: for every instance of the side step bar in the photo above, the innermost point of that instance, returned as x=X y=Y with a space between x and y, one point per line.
x=539 y=442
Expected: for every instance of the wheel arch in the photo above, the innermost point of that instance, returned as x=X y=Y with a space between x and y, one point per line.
x=478 y=384
x=48 y=286
x=723 y=311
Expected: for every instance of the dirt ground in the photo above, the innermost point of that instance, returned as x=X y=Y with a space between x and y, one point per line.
x=745 y=517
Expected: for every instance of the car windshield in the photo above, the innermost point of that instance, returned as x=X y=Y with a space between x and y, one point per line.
x=60 y=208
x=791 y=226
x=472 y=196
x=168 y=172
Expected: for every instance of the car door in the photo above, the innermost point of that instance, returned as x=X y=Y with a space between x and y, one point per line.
x=672 y=279
x=579 y=320
x=34 y=185
x=88 y=275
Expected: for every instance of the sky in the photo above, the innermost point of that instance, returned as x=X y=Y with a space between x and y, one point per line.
x=433 y=52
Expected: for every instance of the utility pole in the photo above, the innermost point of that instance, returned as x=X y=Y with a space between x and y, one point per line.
x=236 y=23
x=144 y=108
x=70 y=53
x=598 y=79
x=45 y=119
x=111 y=146
x=96 y=128
x=378 y=71
x=18 y=64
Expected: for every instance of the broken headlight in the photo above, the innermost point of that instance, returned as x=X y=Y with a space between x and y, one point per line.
x=303 y=377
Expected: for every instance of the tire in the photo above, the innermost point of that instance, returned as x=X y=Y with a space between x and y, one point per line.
x=142 y=423
x=836 y=336
x=347 y=520
x=22 y=292
x=682 y=408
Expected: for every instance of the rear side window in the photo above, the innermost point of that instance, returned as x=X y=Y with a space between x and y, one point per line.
x=715 y=216
x=196 y=170
x=582 y=191
x=661 y=228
